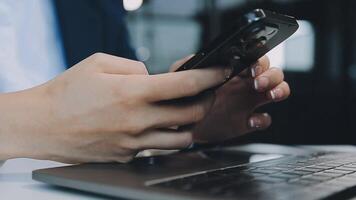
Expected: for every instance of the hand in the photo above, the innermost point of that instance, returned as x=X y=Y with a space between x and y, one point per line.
x=233 y=113
x=104 y=109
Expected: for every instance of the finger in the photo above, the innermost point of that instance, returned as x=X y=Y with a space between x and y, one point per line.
x=179 y=63
x=181 y=113
x=269 y=79
x=116 y=65
x=260 y=67
x=165 y=139
x=181 y=84
x=259 y=121
x=257 y=68
x=279 y=93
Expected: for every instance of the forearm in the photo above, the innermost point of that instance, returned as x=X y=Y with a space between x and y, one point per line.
x=23 y=117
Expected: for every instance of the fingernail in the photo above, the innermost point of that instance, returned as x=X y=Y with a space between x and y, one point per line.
x=276 y=94
x=255 y=71
x=228 y=72
x=273 y=95
x=254 y=123
x=261 y=83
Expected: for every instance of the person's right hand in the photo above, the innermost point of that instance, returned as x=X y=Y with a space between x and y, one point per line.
x=108 y=108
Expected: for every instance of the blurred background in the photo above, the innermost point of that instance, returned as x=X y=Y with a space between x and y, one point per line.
x=319 y=61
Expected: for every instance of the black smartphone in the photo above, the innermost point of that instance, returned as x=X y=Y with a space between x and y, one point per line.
x=254 y=34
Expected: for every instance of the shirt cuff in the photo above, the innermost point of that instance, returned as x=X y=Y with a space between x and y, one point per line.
x=1 y=163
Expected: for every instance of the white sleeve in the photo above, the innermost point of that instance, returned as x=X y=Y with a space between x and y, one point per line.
x=1 y=163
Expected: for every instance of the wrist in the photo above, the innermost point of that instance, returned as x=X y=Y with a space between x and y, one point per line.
x=23 y=121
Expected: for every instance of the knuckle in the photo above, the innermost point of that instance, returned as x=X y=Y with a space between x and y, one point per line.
x=199 y=112
x=130 y=123
x=267 y=61
x=277 y=71
x=124 y=151
x=132 y=128
x=276 y=74
x=264 y=61
x=141 y=68
x=137 y=67
x=98 y=57
x=129 y=145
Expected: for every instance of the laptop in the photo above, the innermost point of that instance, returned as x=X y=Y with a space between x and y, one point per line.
x=220 y=173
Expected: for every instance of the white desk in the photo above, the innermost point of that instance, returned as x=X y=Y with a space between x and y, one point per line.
x=16 y=182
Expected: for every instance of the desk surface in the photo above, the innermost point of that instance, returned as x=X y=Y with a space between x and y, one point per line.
x=16 y=182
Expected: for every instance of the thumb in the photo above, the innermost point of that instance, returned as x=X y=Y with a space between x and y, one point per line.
x=259 y=121
x=179 y=63
x=116 y=65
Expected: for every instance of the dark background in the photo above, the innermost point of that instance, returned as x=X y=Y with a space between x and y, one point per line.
x=322 y=105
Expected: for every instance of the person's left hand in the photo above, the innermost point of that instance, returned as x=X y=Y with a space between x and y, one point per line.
x=233 y=113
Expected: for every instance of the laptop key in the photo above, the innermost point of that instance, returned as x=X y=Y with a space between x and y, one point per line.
x=285 y=176
x=352 y=166
x=309 y=169
x=269 y=179
x=317 y=178
x=242 y=182
x=285 y=166
x=299 y=172
x=279 y=168
x=346 y=169
x=334 y=171
x=331 y=164
x=321 y=167
x=332 y=175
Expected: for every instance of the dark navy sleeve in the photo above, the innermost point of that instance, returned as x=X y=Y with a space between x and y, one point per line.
x=116 y=28
x=90 y=26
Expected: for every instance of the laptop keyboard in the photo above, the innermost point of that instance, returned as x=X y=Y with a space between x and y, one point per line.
x=312 y=177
